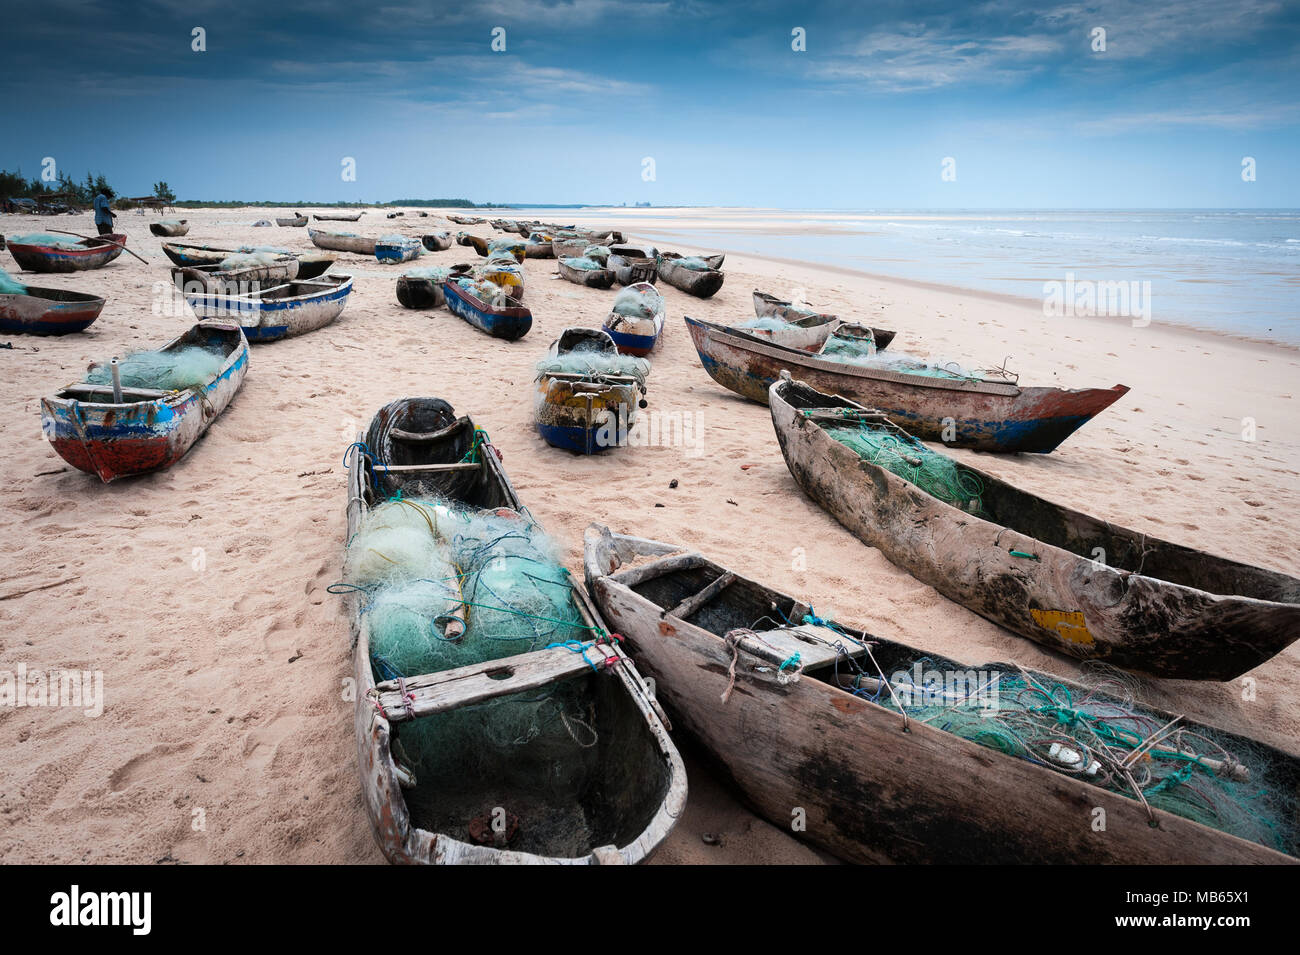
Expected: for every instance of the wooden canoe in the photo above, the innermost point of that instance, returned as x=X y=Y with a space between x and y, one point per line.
x=279 y=311
x=436 y=241
x=510 y=322
x=81 y=256
x=465 y=220
x=964 y=413
x=867 y=787
x=701 y=284
x=398 y=251
x=311 y=265
x=1069 y=581
x=150 y=430
x=539 y=246
x=418 y=292
x=48 y=311
x=213 y=278
x=591 y=278
x=338 y=242
x=632 y=264
x=585 y=412
x=637 y=785
x=638 y=334
x=292 y=221
x=805 y=329
x=178 y=228
x=339 y=218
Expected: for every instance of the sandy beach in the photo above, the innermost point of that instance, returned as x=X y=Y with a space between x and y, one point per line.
x=200 y=592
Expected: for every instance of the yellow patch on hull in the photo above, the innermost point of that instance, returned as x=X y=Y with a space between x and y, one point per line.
x=1069 y=625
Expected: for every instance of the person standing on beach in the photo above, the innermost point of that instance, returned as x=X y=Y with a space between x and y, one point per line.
x=103 y=214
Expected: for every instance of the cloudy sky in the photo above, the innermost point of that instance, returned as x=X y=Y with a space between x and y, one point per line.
x=587 y=90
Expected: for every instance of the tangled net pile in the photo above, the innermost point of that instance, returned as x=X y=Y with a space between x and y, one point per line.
x=636 y=302
x=190 y=367
x=583 y=264
x=45 y=238
x=590 y=359
x=10 y=285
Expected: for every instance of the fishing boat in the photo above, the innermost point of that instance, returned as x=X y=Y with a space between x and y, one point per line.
x=794 y=326
x=342 y=242
x=280 y=311
x=632 y=264
x=594 y=277
x=477 y=243
x=511 y=247
x=437 y=241
x=148 y=429
x=73 y=257
x=539 y=246
x=700 y=282
x=170 y=227
x=570 y=246
x=501 y=270
x=587 y=398
x=340 y=217
x=47 y=311
x=637 y=319
x=509 y=321
x=612 y=787
x=420 y=292
x=291 y=221
x=311 y=265
x=808 y=718
x=465 y=220
x=981 y=413
x=397 y=249
x=215 y=278
x=1072 y=582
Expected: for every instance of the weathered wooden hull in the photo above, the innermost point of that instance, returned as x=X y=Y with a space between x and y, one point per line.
x=631 y=265
x=169 y=229
x=292 y=222
x=397 y=251
x=48 y=311
x=642 y=784
x=339 y=218
x=637 y=335
x=420 y=293
x=804 y=331
x=88 y=254
x=870 y=792
x=510 y=322
x=1085 y=607
x=437 y=241
x=591 y=278
x=465 y=220
x=310 y=264
x=265 y=318
x=539 y=250
x=701 y=284
x=211 y=278
x=567 y=418
x=120 y=440
x=334 y=242
x=984 y=416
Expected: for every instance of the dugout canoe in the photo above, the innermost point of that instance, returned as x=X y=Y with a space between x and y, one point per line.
x=590 y=410
x=632 y=264
x=338 y=218
x=213 y=278
x=338 y=242
x=311 y=265
x=700 y=283
x=539 y=246
x=873 y=789
x=591 y=278
x=437 y=241
x=176 y=228
x=419 y=292
x=393 y=250
x=510 y=322
x=279 y=311
x=291 y=221
x=964 y=413
x=636 y=784
x=638 y=334
x=149 y=430
x=48 y=311
x=1067 y=580
x=805 y=328
x=465 y=220
x=77 y=257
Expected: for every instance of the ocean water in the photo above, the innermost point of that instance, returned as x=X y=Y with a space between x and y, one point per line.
x=1235 y=271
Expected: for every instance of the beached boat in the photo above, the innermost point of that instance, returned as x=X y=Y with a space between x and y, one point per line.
x=420 y=292
x=477 y=243
x=1072 y=582
x=637 y=319
x=47 y=311
x=593 y=778
x=170 y=227
x=511 y=247
x=437 y=241
x=570 y=246
x=76 y=256
x=594 y=277
x=339 y=217
x=700 y=282
x=342 y=242
x=149 y=429
x=632 y=263
x=803 y=715
x=214 y=278
x=539 y=246
x=980 y=413
x=292 y=221
x=800 y=326
x=310 y=264
x=587 y=396
x=396 y=249
x=510 y=322
x=278 y=311
x=465 y=220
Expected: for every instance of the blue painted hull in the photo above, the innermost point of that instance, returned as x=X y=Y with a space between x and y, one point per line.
x=641 y=345
x=510 y=323
x=576 y=438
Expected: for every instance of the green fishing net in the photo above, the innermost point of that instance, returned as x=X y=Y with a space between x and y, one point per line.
x=583 y=264
x=191 y=367
x=589 y=359
x=45 y=238
x=637 y=302
x=434 y=273
x=763 y=324
x=250 y=260
x=694 y=263
x=10 y=285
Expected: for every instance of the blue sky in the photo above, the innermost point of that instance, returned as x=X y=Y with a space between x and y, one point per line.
x=713 y=92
